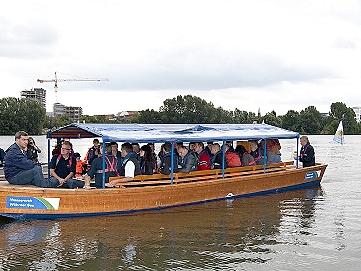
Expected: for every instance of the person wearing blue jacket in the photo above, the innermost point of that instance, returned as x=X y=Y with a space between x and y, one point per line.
x=19 y=169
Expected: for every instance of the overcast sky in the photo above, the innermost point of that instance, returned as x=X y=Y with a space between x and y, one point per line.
x=273 y=54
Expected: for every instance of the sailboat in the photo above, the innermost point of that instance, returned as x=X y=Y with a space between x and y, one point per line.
x=339 y=135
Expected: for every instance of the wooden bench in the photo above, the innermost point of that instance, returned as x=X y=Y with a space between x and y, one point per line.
x=201 y=175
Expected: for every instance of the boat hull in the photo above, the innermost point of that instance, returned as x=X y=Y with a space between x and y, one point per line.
x=37 y=203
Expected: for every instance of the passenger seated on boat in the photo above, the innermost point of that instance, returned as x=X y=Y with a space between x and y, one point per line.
x=307 y=153
x=208 y=148
x=256 y=152
x=230 y=145
x=136 y=150
x=93 y=152
x=81 y=167
x=116 y=153
x=191 y=146
x=33 y=151
x=57 y=147
x=2 y=156
x=273 y=151
x=130 y=165
x=232 y=158
x=246 y=158
x=166 y=165
x=96 y=170
x=160 y=161
x=147 y=161
x=19 y=169
x=204 y=159
x=152 y=147
x=63 y=168
x=217 y=159
x=188 y=160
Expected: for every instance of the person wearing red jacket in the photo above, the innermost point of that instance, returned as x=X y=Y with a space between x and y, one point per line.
x=204 y=159
x=232 y=158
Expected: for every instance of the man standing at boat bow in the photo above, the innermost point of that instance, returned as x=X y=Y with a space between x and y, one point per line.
x=307 y=153
x=19 y=169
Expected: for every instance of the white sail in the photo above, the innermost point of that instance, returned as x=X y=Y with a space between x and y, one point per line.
x=339 y=135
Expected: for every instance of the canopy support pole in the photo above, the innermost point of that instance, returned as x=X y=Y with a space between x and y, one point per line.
x=103 y=164
x=172 y=164
x=264 y=155
x=48 y=157
x=223 y=157
x=297 y=151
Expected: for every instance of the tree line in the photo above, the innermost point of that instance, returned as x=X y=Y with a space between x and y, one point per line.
x=22 y=114
x=192 y=109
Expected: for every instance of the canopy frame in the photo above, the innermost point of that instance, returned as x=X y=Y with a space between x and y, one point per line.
x=173 y=133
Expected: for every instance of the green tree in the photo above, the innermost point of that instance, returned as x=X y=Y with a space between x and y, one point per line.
x=241 y=116
x=148 y=116
x=192 y=109
x=21 y=114
x=339 y=111
x=310 y=121
x=57 y=122
x=272 y=119
x=291 y=120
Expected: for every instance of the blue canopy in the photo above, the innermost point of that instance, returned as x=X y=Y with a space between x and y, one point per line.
x=158 y=133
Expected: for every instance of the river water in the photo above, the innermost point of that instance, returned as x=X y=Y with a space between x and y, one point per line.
x=311 y=229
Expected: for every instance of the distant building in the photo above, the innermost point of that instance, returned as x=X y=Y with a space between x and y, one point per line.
x=35 y=94
x=58 y=109
x=357 y=110
x=108 y=117
x=325 y=115
x=73 y=112
x=126 y=115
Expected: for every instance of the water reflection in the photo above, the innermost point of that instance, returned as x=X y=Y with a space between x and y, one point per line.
x=219 y=235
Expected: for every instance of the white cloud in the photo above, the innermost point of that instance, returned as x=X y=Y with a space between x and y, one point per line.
x=288 y=53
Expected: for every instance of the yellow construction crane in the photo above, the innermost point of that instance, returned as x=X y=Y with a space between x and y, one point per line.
x=56 y=80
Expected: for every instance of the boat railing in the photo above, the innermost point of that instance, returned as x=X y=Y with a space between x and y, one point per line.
x=201 y=175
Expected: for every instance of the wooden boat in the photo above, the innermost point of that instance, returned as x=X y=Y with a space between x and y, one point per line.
x=149 y=192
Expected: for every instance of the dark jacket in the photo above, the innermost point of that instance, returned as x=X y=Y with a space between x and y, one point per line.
x=147 y=167
x=165 y=167
x=16 y=161
x=132 y=156
x=96 y=171
x=217 y=160
x=2 y=155
x=307 y=155
x=32 y=154
x=189 y=162
x=91 y=155
x=63 y=167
